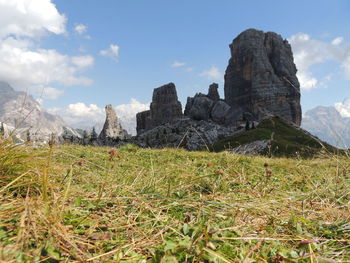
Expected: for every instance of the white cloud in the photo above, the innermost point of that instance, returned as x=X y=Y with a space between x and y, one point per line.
x=30 y=18
x=83 y=62
x=308 y=52
x=127 y=114
x=346 y=66
x=52 y=93
x=112 y=51
x=80 y=115
x=212 y=74
x=343 y=108
x=80 y=28
x=26 y=65
x=178 y=64
x=337 y=41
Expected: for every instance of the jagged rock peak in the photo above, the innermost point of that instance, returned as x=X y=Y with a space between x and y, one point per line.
x=208 y=107
x=261 y=77
x=112 y=129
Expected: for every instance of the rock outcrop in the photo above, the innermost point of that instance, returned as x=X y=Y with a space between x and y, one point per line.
x=184 y=133
x=260 y=79
x=260 y=82
x=213 y=92
x=164 y=125
x=165 y=108
x=112 y=130
x=143 y=120
x=208 y=107
x=253 y=148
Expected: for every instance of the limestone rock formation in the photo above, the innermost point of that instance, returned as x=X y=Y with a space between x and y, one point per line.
x=253 y=148
x=208 y=107
x=261 y=78
x=185 y=133
x=165 y=108
x=201 y=106
x=220 y=112
x=112 y=129
x=143 y=120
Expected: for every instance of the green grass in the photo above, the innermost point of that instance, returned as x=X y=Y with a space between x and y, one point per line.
x=142 y=205
x=287 y=141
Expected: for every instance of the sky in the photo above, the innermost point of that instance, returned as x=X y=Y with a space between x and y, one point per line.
x=76 y=56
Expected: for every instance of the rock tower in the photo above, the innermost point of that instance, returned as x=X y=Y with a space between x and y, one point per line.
x=260 y=79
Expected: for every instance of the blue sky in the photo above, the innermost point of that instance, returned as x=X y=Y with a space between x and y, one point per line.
x=159 y=41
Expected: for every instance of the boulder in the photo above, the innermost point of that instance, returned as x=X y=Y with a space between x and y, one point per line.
x=220 y=112
x=201 y=107
x=261 y=77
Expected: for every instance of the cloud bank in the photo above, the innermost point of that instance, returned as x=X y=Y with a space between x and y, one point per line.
x=26 y=65
x=309 y=51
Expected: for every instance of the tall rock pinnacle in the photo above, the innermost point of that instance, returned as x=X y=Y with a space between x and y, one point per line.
x=164 y=108
x=112 y=129
x=260 y=79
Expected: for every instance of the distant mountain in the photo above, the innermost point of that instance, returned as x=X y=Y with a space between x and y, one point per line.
x=328 y=125
x=21 y=112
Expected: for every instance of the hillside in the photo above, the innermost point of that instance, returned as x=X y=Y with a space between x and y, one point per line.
x=284 y=140
x=94 y=204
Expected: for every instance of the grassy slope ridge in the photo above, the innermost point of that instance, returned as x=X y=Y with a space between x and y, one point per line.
x=286 y=139
x=91 y=204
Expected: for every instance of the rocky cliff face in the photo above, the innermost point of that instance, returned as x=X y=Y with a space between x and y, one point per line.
x=260 y=79
x=112 y=129
x=164 y=108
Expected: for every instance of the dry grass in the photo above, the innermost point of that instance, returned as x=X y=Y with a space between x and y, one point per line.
x=140 y=205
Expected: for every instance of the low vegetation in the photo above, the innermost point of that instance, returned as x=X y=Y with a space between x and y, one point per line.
x=286 y=140
x=94 y=204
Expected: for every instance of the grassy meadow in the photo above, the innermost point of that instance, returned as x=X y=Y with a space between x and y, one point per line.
x=69 y=203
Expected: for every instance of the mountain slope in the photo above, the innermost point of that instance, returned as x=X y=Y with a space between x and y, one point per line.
x=21 y=112
x=327 y=124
